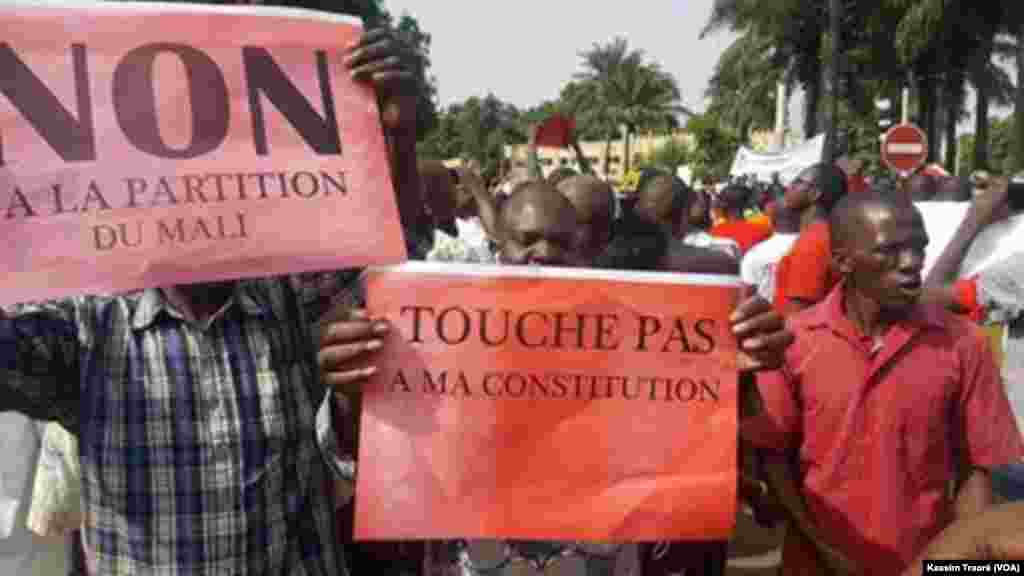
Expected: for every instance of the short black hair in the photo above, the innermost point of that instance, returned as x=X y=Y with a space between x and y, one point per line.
x=831 y=181
x=735 y=197
x=682 y=195
x=638 y=244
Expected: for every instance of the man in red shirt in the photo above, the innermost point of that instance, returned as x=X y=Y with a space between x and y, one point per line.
x=733 y=202
x=882 y=402
x=804 y=276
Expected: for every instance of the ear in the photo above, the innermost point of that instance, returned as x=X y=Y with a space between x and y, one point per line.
x=816 y=194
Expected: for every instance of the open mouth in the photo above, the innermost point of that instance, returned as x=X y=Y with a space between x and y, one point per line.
x=912 y=287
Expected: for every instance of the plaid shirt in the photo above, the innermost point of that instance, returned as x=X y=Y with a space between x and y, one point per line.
x=198 y=443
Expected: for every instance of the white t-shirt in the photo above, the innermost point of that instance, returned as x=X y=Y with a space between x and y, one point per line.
x=22 y=552
x=1001 y=292
x=472 y=231
x=701 y=239
x=757 y=268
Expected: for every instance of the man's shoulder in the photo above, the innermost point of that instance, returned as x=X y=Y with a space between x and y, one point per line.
x=813 y=238
x=961 y=330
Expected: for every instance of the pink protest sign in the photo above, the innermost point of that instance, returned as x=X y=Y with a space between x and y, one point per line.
x=146 y=145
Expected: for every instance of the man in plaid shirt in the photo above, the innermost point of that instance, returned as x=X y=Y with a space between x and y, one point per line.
x=196 y=407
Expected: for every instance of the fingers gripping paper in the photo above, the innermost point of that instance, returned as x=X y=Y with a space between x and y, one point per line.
x=145 y=145
x=549 y=404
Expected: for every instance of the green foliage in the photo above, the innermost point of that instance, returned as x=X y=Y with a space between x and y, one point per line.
x=477 y=130
x=1002 y=139
x=714 y=147
x=743 y=86
x=619 y=86
x=675 y=152
x=408 y=29
x=942 y=45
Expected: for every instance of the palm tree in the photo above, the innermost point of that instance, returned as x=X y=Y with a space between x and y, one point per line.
x=793 y=29
x=631 y=91
x=582 y=101
x=744 y=83
x=1018 y=107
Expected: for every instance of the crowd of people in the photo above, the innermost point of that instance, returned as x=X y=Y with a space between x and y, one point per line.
x=214 y=424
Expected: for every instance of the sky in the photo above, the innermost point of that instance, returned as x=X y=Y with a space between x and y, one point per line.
x=525 y=51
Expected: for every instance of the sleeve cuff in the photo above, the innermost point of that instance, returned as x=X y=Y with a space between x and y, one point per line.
x=342 y=466
x=966 y=294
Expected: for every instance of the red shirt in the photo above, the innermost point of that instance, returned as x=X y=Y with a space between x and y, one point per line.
x=745 y=233
x=856 y=184
x=877 y=428
x=806 y=272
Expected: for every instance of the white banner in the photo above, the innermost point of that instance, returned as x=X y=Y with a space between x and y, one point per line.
x=787 y=164
x=994 y=244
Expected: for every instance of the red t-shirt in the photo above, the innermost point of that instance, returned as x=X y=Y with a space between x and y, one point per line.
x=806 y=272
x=744 y=232
x=879 y=426
x=856 y=184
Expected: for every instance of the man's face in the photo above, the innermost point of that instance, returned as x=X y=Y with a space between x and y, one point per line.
x=541 y=234
x=887 y=257
x=800 y=192
x=655 y=204
x=699 y=210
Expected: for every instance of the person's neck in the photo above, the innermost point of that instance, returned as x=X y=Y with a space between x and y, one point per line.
x=866 y=314
x=810 y=215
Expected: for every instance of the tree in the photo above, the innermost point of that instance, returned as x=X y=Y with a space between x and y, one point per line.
x=743 y=87
x=1018 y=99
x=675 y=152
x=408 y=28
x=629 y=90
x=1003 y=143
x=478 y=130
x=714 y=147
x=793 y=28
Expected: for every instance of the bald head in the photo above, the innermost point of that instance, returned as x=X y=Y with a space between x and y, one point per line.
x=594 y=202
x=664 y=199
x=852 y=219
x=539 y=227
x=734 y=200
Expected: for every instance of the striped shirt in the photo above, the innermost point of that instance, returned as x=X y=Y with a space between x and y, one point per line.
x=199 y=446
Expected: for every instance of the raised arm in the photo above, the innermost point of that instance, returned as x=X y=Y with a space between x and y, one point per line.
x=581 y=158
x=985 y=209
x=486 y=207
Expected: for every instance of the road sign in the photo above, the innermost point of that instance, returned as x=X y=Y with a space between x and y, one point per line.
x=904 y=148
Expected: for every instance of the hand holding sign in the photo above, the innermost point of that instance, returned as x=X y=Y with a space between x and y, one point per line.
x=762 y=335
x=347 y=338
x=136 y=156
x=992 y=203
x=383 y=60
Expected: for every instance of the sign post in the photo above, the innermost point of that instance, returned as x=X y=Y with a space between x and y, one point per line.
x=904 y=149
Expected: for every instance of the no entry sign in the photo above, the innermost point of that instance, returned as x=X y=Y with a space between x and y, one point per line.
x=904 y=148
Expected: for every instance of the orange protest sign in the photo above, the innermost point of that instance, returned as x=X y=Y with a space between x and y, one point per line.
x=549 y=404
x=145 y=145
